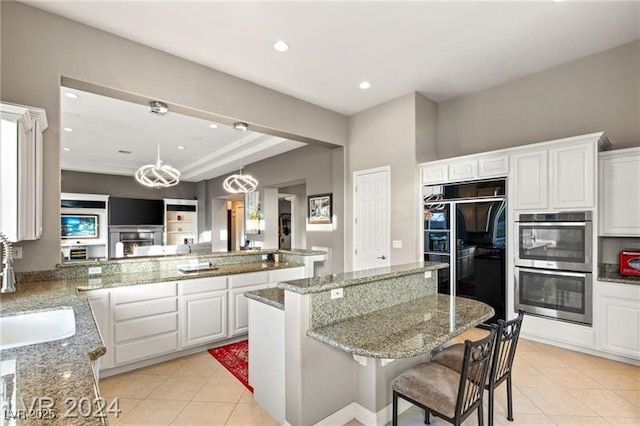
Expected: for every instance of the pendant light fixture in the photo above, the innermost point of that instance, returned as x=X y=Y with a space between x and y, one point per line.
x=240 y=184
x=158 y=175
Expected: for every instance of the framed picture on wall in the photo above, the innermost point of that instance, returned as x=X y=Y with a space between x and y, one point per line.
x=319 y=208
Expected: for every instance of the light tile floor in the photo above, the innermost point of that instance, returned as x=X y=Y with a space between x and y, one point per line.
x=552 y=386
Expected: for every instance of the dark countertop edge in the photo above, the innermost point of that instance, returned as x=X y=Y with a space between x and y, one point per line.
x=257 y=296
x=623 y=280
x=291 y=286
x=182 y=276
x=393 y=355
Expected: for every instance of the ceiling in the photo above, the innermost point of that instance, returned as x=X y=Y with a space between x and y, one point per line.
x=102 y=126
x=442 y=49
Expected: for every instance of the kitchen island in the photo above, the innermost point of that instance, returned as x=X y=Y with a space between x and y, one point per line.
x=347 y=336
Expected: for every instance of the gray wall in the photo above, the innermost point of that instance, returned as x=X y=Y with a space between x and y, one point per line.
x=38 y=48
x=385 y=135
x=322 y=170
x=597 y=92
x=122 y=186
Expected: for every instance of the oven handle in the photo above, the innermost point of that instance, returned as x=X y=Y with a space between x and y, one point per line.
x=552 y=223
x=561 y=273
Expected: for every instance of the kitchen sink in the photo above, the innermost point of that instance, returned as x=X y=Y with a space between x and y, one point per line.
x=36 y=327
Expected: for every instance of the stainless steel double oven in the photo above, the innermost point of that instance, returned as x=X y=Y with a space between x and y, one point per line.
x=554 y=265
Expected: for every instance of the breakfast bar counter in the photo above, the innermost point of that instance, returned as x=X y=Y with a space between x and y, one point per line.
x=409 y=329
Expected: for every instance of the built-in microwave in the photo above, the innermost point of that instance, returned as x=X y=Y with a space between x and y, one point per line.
x=559 y=241
x=556 y=294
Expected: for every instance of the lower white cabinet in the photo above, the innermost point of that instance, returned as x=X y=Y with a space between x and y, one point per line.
x=204 y=318
x=145 y=321
x=239 y=309
x=619 y=319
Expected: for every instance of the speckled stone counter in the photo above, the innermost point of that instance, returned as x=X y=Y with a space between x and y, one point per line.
x=328 y=282
x=60 y=369
x=271 y=296
x=611 y=272
x=404 y=330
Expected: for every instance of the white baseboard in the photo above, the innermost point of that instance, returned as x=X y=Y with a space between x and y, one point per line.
x=361 y=414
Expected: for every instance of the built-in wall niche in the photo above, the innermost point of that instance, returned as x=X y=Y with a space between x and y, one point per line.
x=83 y=227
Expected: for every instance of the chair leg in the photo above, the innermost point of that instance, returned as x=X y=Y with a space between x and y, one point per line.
x=480 y=415
x=490 y=407
x=394 y=415
x=427 y=420
x=509 y=400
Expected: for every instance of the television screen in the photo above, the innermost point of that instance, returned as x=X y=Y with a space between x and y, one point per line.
x=134 y=211
x=79 y=226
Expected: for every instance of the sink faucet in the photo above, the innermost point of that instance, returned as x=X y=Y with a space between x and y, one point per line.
x=8 y=277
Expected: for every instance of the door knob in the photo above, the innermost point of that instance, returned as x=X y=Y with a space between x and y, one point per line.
x=383 y=257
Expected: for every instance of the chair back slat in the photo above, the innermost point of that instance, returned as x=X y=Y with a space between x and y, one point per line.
x=505 y=350
x=475 y=368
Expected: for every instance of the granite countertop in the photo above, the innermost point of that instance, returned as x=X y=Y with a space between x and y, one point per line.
x=122 y=280
x=328 y=282
x=405 y=330
x=63 y=369
x=271 y=296
x=611 y=272
x=60 y=369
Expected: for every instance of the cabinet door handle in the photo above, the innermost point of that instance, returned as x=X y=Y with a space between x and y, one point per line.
x=383 y=257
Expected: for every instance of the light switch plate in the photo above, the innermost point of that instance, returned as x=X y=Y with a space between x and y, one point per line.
x=337 y=293
x=427 y=274
x=397 y=243
x=95 y=270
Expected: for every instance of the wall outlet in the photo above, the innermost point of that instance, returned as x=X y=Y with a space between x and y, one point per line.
x=95 y=270
x=397 y=243
x=337 y=293
x=427 y=274
x=16 y=252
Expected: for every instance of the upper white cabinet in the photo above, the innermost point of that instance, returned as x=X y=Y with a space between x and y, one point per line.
x=21 y=171
x=620 y=193
x=530 y=180
x=470 y=167
x=556 y=175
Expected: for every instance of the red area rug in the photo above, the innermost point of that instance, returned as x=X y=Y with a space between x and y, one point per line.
x=235 y=358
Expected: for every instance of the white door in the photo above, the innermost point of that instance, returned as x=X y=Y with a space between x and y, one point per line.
x=371 y=218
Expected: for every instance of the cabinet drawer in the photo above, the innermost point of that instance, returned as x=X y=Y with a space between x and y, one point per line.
x=144 y=309
x=286 y=275
x=242 y=280
x=144 y=292
x=200 y=285
x=146 y=348
x=146 y=327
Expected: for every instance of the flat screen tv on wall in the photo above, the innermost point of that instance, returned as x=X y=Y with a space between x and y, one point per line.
x=135 y=211
x=79 y=226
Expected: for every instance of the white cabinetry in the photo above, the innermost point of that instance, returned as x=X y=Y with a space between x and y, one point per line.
x=21 y=161
x=99 y=302
x=471 y=167
x=145 y=321
x=619 y=323
x=238 y=304
x=203 y=311
x=559 y=175
x=530 y=180
x=620 y=193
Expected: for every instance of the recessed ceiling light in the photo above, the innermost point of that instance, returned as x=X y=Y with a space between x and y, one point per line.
x=71 y=95
x=180 y=147
x=68 y=129
x=364 y=85
x=239 y=125
x=281 y=46
x=66 y=149
x=213 y=125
